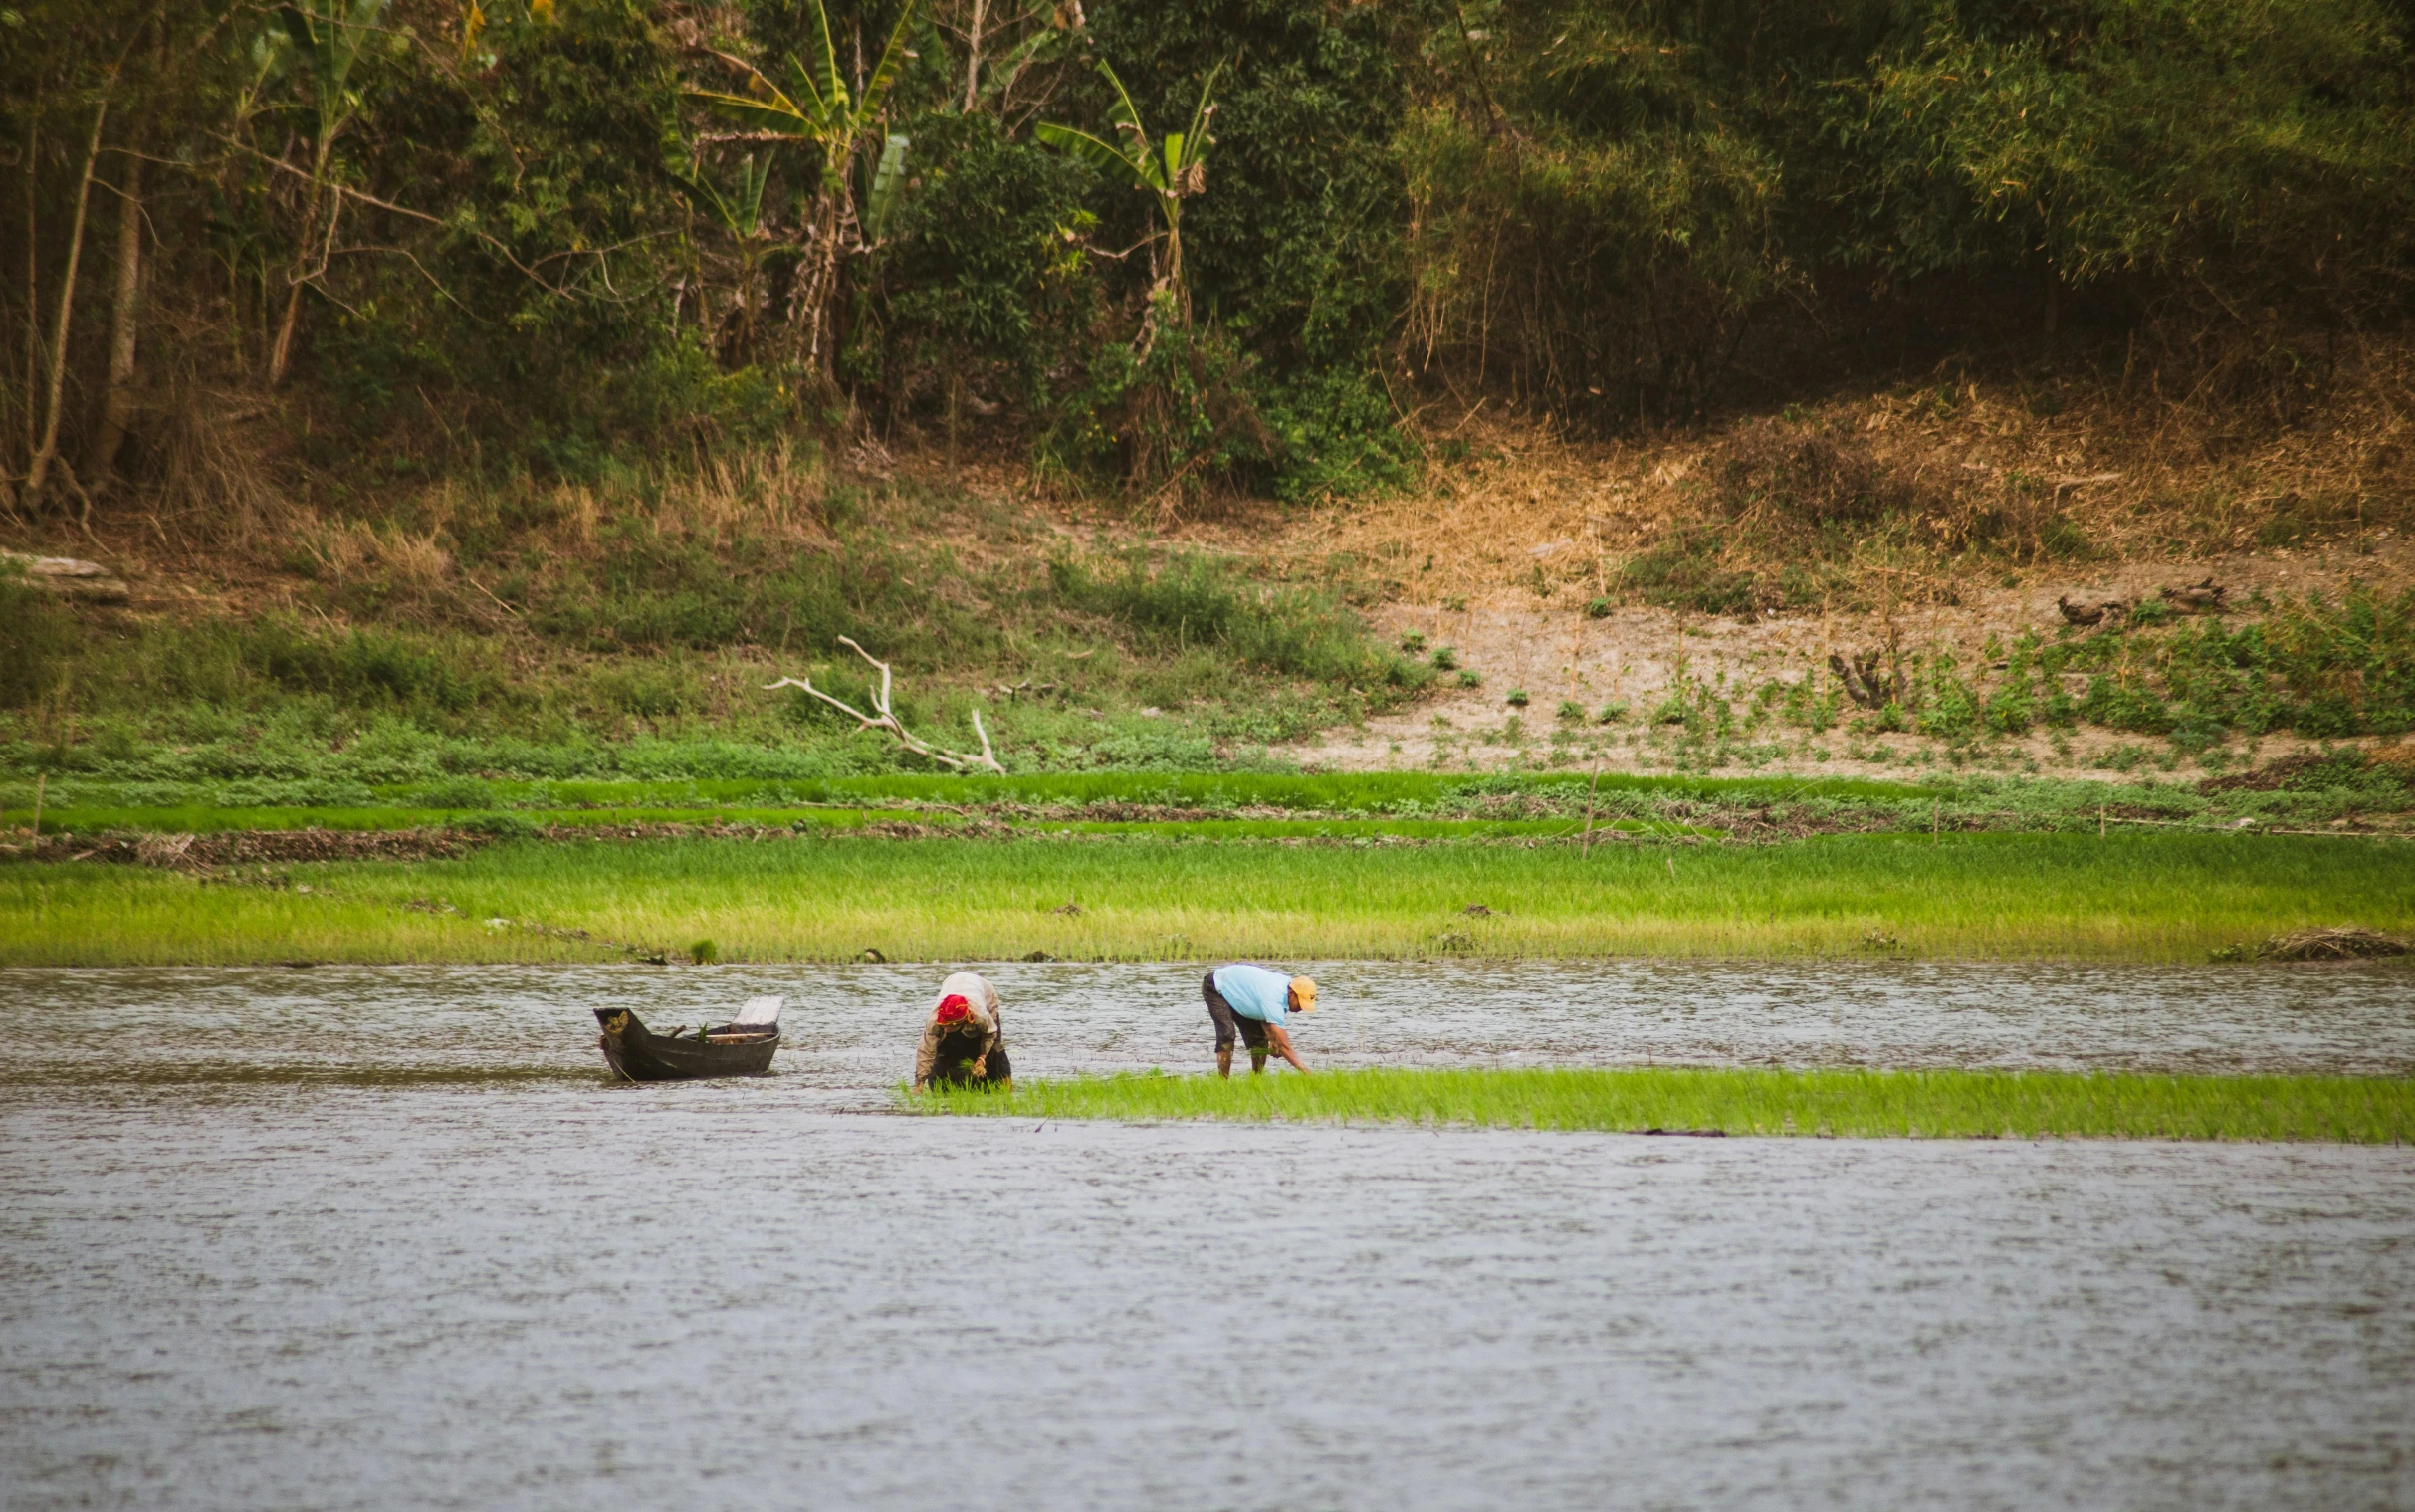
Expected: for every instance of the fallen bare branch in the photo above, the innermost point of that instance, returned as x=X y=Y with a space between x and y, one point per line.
x=886 y=719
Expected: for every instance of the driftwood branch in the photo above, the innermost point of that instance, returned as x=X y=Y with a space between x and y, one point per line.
x=1864 y=682
x=886 y=719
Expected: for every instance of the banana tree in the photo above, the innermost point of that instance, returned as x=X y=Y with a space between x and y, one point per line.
x=807 y=103
x=327 y=49
x=739 y=212
x=1171 y=170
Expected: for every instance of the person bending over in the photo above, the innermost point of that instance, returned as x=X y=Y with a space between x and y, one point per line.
x=965 y=1041
x=1249 y=1003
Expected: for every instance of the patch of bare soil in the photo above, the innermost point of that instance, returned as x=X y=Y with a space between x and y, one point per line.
x=2021 y=504
x=1634 y=656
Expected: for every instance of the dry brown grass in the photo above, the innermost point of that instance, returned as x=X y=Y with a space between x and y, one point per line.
x=780 y=494
x=1976 y=477
x=354 y=548
x=2337 y=942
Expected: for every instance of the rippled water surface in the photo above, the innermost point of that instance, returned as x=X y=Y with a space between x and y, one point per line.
x=376 y=1238
x=851 y=1029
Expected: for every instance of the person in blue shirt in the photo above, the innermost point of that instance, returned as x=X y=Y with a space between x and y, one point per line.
x=1250 y=1003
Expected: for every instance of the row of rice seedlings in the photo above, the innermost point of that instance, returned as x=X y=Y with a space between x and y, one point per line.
x=93 y=915
x=1401 y=795
x=1856 y=1103
x=521 y=823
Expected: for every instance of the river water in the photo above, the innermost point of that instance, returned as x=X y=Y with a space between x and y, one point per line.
x=384 y=1237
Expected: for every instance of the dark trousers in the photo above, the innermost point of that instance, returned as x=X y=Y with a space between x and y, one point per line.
x=1229 y=1024
x=960 y=1051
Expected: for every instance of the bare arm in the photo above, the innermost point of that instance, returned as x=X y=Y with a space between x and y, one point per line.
x=1281 y=1039
x=997 y=1029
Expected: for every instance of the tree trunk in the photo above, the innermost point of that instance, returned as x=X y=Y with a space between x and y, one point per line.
x=37 y=472
x=117 y=402
x=973 y=56
x=281 y=354
x=33 y=297
x=816 y=289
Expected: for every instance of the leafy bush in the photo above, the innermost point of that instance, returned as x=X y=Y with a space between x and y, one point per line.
x=2325 y=668
x=1949 y=707
x=981 y=287
x=1184 y=412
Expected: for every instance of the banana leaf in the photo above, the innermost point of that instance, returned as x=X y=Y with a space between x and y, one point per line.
x=1101 y=155
x=888 y=182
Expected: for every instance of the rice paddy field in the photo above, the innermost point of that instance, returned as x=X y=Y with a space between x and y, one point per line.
x=1854 y=1104
x=822 y=897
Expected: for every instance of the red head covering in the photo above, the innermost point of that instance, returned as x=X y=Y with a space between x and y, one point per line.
x=953 y=1008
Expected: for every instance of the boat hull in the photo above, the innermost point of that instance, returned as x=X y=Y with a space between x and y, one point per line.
x=636 y=1053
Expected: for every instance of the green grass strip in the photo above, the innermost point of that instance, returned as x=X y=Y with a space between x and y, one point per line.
x=1853 y=1104
x=1403 y=793
x=829 y=897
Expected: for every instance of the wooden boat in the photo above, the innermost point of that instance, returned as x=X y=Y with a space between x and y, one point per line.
x=741 y=1047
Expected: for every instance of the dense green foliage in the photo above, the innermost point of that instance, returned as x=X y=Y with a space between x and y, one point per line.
x=1850 y=1104
x=556 y=236
x=1612 y=193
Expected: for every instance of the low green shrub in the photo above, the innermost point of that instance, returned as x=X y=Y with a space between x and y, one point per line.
x=39 y=636
x=1684 y=572
x=1189 y=599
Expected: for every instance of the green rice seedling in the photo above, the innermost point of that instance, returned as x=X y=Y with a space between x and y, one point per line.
x=1518 y=698
x=1470 y=677
x=1852 y=1104
x=1445 y=658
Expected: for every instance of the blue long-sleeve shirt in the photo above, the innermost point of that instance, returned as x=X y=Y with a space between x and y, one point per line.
x=1254 y=991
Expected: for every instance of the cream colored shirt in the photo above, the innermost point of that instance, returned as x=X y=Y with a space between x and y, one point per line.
x=982 y=1001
